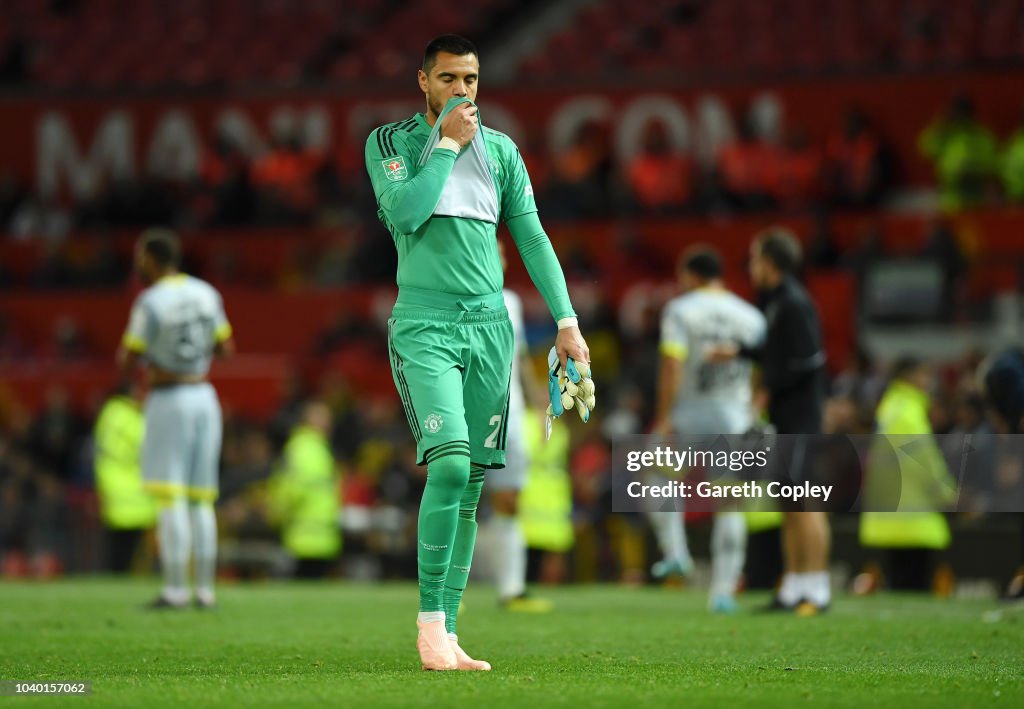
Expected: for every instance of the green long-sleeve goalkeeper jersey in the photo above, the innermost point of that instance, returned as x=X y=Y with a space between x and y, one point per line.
x=457 y=255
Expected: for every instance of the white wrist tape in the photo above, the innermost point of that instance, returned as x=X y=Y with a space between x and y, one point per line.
x=568 y=322
x=449 y=144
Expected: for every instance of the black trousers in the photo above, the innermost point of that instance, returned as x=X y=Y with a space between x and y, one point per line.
x=313 y=568
x=764 y=566
x=910 y=569
x=122 y=545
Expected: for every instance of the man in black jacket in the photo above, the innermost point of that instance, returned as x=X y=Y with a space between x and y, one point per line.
x=1003 y=378
x=792 y=367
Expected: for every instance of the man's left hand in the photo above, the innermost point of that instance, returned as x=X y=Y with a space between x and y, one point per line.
x=570 y=343
x=569 y=382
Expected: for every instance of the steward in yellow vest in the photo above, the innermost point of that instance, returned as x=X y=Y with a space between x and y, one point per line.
x=304 y=496
x=907 y=472
x=545 y=502
x=126 y=509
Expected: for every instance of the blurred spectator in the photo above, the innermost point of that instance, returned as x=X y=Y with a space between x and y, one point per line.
x=351 y=421
x=970 y=415
x=845 y=415
x=249 y=546
x=303 y=495
x=977 y=479
x=868 y=252
x=600 y=550
x=581 y=176
x=794 y=173
x=331 y=192
x=401 y=483
x=821 y=248
x=284 y=179
x=399 y=491
x=943 y=247
x=861 y=381
x=917 y=486
x=368 y=464
x=856 y=174
x=126 y=508
x=1003 y=378
x=1003 y=385
x=1012 y=164
x=659 y=179
x=743 y=168
x=226 y=196
x=16 y=477
x=640 y=323
x=246 y=456
x=294 y=395
x=32 y=516
x=963 y=152
x=55 y=433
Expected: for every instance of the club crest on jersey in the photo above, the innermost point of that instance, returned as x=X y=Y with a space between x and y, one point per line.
x=394 y=168
x=433 y=423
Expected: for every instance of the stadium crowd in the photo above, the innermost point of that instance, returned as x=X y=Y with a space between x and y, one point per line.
x=292 y=184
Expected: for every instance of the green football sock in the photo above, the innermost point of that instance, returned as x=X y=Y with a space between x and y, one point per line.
x=447 y=477
x=462 y=552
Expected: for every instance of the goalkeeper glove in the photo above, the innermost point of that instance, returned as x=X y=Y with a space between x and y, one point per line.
x=568 y=389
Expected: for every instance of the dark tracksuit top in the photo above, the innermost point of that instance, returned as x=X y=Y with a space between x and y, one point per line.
x=792 y=358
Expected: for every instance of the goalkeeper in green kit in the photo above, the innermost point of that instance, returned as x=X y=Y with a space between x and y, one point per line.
x=442 y=184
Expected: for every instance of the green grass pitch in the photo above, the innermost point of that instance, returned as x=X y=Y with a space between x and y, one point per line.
x=338 y=644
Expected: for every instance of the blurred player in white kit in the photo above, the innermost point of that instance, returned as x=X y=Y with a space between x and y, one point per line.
x=177 y=326
x=697 y=396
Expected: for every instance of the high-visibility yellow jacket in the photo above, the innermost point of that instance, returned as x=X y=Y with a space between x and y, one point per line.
x=545 y=502
x=117 y=437
x=906 y=471
x=964 y=155
x=304 y=496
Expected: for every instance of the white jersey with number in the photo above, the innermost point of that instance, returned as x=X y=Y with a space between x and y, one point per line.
x=713 y=397
x=176 y=323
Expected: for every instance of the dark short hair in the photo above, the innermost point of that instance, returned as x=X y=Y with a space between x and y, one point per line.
x=781 y=247
x=450 y=44
x=906 y=365
x=162 y=245
x=702 y=261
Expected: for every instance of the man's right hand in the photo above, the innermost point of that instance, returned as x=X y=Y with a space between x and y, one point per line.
x=721 y=352
x=460 y=124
